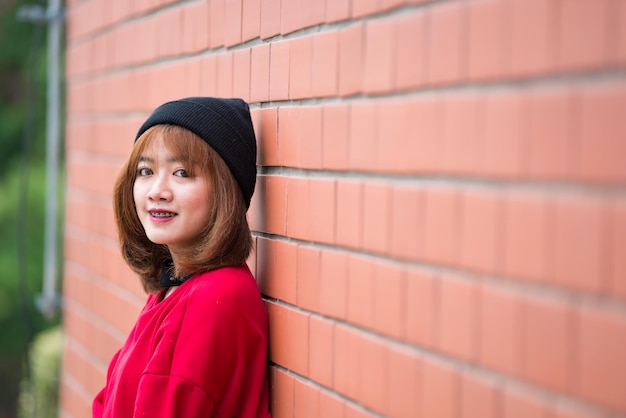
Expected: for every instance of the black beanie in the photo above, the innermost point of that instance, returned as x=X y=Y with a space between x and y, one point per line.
x=224 y=124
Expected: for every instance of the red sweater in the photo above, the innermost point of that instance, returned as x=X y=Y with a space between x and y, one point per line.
x=201 y=352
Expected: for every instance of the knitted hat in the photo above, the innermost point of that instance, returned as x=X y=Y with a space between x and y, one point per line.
x=224 y=124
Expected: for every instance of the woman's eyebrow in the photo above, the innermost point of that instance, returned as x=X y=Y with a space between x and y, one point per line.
x=143 y=158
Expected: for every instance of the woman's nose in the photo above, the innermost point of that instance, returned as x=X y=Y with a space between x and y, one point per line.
x=160 y=189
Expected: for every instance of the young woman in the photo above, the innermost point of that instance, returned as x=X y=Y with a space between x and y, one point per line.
x=199 y=347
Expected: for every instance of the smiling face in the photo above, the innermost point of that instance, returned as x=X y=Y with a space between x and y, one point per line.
x=172 y=197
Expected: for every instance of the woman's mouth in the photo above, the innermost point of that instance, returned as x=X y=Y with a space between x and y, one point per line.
x=161 y=214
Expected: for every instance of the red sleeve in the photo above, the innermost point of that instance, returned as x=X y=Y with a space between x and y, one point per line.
x=211 y=357
x=162 y=396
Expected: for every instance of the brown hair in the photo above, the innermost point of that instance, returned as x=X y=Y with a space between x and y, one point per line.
x=225 y=240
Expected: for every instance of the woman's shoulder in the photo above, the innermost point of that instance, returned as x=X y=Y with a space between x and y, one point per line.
x=227 y=286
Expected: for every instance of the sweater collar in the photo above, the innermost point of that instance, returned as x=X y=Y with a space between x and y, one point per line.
x=168 y=279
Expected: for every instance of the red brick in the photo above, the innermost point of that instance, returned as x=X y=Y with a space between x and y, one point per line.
x=298 y=208
x=251 y=20
x=189 y=27
x=379 y=55
x=526 y=244
x=321 y=354
x=349 y=218
x=300 y=67
x=333 y=284
x=616 y=247
x=289 y=136
x=90 y=334
x=548 y=343
x=479 y=397
x=586 y=49
x=241 y=74
x=290 y=16
x=426 y=125
x=348 y=361
x=533 y=32
x=335 y=137
x=279 y=70
x=282 y=394
x=364 y=7
x=325 y=59
x=351 y=58
x=502 y=143
x=602 y=126
x=501 y=337
x=517 y=404
x=266 y=129
x=208 y=77
x=552 y=151
x=363 y=135
x=270 y=18
x=579 y=231
x=488 y=40
x=389 y=300
x=233 y=10
x=306 y=400
x=482 y=220
x=276 y=269
x=410 y=50
x=322 y=211
x=192 y=74
x=406 y=229
x=169 y=41
x=601 y=346
x=376 y=217
x=289 y=338
x=462 y=132
x=441 y=225
x=312 y=13
x=225 y=74
x=422 y=305
x=621 y=38
x=82 y=368
x=331 y=405
x=458 y=318
x=337 y=10
x=357 y=411
x=440 y=390
x=275 y=204
x=260 y=73
x=373 y=379
x=361 y=294
x=394 y=153
x=446 y=61
x=217 y=19
x=74 y=402
x=309 y=282
x=566 y=410
x=404 y=383
x=309 y=137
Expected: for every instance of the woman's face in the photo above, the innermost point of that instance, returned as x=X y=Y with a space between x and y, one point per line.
x=172 y=206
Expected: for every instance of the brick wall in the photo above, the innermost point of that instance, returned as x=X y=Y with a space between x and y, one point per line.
x=440 y=216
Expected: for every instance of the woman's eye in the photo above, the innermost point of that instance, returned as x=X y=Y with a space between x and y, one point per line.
x=144 y=171
x=181 y=173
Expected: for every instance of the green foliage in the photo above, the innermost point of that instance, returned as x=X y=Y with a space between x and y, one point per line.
x=22 y=61
x=40 y=398
x=22 y=84
x=18 y=317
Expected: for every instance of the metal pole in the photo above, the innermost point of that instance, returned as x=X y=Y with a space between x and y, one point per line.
x=48 y=301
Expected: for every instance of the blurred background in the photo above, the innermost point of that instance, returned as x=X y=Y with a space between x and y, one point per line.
x=25 y=329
